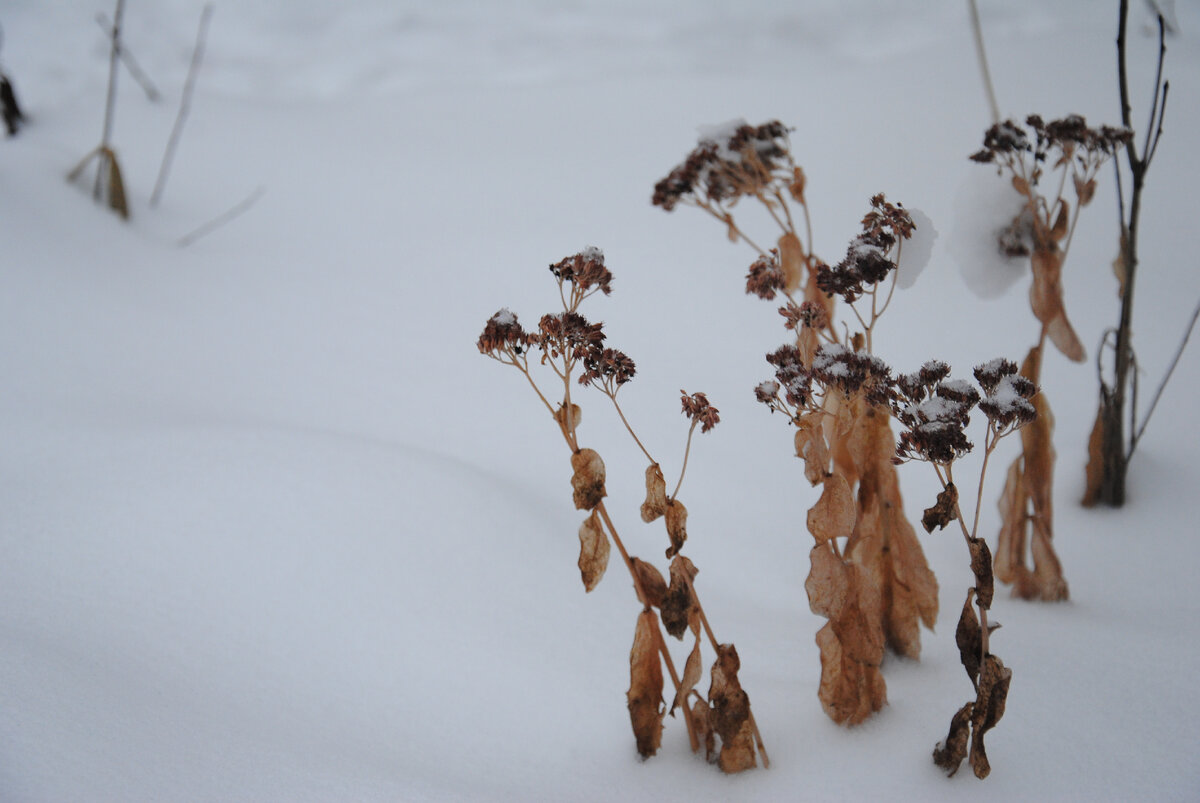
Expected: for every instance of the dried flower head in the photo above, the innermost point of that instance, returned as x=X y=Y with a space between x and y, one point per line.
x=608 y=367
x=568 y=333
x=808 y=315
x=502 y=333
x=1008 y=143
x=585 y=270
x=766 y=276
x=698 y=409
x=869 y=258
x=729 y=162
x=853 y=373
x=1007 y=403
x=791 y=375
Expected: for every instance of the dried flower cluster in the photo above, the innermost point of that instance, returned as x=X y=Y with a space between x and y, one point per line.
x=935 y=412
x=573 y=348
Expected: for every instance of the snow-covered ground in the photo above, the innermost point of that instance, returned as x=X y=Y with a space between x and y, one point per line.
x=272 y=529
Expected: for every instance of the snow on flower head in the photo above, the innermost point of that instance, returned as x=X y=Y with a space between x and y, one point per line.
x=987 y=239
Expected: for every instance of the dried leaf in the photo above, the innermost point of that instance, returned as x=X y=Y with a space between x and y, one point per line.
x=811 y=448
x=116 y=187
x=1062 y=222
x=943 y=512
x=796 y=188
x=587 y=479
x=833 y=514
x=950 y=754
x=679 y=606
x=791 y=260
x=994 y=680
x=1046 y=301
x=1010 y=549
x=731 y=229
x=593 y=551
x=1084 y=190
x=1094 y=473
x=969 y=638
x=1120 y=265
x=691 y=676
x=676 y=515
x=704 y=732
x=1021 y=185
x=850 y=691
x=729 y=712
x=646 y=707
x=568 y=423
x=652 y=582
x=656 y=494
x=981 y=565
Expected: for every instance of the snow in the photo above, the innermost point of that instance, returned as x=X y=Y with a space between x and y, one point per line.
x=273 y=529
x=916 y=251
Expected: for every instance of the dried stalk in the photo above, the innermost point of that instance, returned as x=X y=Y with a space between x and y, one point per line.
x=185 y=105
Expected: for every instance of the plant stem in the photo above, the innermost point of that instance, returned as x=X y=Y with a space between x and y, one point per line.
x=686 y=451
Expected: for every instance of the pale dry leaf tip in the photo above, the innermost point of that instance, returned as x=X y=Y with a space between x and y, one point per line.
x=593 y=551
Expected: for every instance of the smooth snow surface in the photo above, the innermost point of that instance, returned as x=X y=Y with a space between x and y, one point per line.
x=271 y=529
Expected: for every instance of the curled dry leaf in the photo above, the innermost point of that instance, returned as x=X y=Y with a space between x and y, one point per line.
x=593 y=551
x=851 y=643
x=981 y=565
x=1094 y=474
x=676 y=515
x=811 y=448
x=969 y=638
x=1084 y=190
x=691 y=676
x=1046 y=300
x=949 y=754
x=729 y=712
x=587 y=479
x=791 y=260
x=645 y=695
x=656 y=494
x=944 y=511
x=651 y=581
x=833 y=514
x=704 y=733
x=679 y=607
x=796 y=188
x=994 y=680
x=571 y=422
x=1026 y=508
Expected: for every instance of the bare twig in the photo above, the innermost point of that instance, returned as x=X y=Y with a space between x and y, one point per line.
x=185 y=104
x=1133 y=441
x=135 y=69
x=247 y=202
x=111 y=100
x=983 y=62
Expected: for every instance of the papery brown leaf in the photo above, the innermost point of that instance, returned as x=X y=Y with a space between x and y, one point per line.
x=833 y=514
x=676 y=515
x=1084 y=190
x=796 y=188
x=587 y=479
x=656 y=494
x=1027 y=508
x=645 y=695
x=593 y=551
x=679 y=606
x=731 y=229
x=568 y=423
x=944 y=511
x=1120 y=265
x=1046 y=301
x=791 y=260
x=1062 y=222
x=994 y=680
x=704 y=733
x=969 y=638
x=691 y=676
x=850 y=691
x=811 y=448
x=883 y=542
x=981 y=565
x=1020 y=185
x=1094 y=473
x=651 y=581
x=949 y=754
x=729 y=712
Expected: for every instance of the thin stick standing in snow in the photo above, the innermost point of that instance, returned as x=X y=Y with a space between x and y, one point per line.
x=185 y=104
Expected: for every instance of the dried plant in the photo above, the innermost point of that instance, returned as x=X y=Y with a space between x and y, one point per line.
x=574 y=351
x=1040 y=154
x=875 y=586
x=1109 y=449
x=934 y=413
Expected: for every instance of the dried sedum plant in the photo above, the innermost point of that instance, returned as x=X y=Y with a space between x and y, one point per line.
x=1040 y=154
x=934 y=413
x=868 y=576
x=573 y=350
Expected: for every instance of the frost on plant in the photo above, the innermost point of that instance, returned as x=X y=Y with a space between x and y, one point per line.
x=1059 y=154
x=571 y=350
